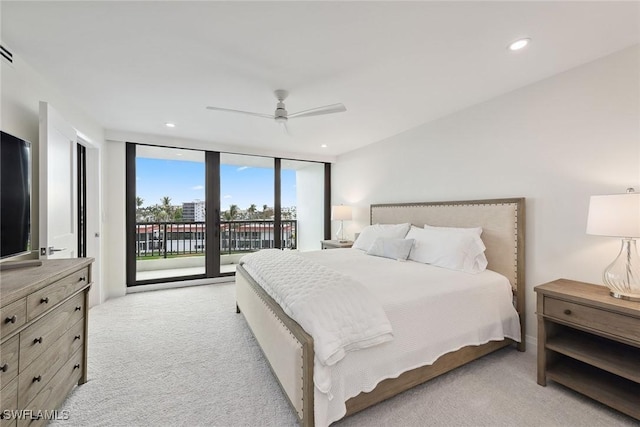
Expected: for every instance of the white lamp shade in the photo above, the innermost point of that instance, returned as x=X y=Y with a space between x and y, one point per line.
x=616 y=215
x=341 y=213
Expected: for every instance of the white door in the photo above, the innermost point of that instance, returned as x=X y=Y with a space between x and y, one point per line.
x=57 y=155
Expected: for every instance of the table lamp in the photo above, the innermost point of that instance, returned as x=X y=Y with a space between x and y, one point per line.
x=618 y=215
x=341 y=213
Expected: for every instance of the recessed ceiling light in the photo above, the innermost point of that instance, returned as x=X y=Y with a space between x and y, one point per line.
x=519 y=44
x=324 y=146
x=170 y=125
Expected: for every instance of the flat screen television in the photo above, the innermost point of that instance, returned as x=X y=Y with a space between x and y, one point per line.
x=15 y=195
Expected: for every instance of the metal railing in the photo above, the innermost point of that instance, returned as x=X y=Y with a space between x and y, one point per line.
x=170 y=239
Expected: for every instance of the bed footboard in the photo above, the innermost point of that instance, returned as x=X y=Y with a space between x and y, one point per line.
x=287 y=347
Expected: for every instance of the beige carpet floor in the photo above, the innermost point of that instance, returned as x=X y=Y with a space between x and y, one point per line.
x=183 y=357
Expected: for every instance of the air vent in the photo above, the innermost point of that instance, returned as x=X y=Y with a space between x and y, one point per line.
x=6 y=54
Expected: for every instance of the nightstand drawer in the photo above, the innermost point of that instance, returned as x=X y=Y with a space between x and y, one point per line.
x=592 y=318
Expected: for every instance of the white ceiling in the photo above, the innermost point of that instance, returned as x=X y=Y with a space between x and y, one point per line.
x=133 y=66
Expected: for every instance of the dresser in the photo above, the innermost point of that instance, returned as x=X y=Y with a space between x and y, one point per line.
x=590 y=342
x=43 y=338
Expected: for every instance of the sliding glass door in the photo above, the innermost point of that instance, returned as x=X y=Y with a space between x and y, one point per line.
x=193 y=214
x=247 y=214
x=170 y=213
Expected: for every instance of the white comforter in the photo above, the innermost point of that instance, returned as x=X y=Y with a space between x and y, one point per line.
x=433 y=311
x=339 y=313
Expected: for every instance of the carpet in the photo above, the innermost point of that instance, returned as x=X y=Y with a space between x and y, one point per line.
x=183 y=357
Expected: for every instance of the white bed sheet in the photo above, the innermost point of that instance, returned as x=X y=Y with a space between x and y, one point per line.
x=432 y=310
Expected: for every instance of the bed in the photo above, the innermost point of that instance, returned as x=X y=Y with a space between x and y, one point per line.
x=289 y=349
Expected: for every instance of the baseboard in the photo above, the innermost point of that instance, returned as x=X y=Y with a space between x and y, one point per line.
x=181 y=284
x=532 y=344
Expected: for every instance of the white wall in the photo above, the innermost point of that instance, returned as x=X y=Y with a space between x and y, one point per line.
x=310 y=206
x=114 y=221
x=555 y=142
x=22 y=90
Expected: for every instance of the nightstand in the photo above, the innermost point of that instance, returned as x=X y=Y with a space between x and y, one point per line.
x=590 y=342
x=336 y=244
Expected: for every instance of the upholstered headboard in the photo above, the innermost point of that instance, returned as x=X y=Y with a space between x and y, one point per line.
x=502 y=222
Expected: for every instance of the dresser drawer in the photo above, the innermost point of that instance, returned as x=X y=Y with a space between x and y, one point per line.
x=42 y=300
x=37 y=338
x=597 y=319
x=8 y=402
x=54 y=393
x=13 y=316
x=9 y=360
x=39 y=373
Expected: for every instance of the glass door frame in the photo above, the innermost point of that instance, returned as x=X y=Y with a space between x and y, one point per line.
x=212 y=222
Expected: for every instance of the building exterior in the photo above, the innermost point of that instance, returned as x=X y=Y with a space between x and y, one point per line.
x=193 y=211
x=189 y=238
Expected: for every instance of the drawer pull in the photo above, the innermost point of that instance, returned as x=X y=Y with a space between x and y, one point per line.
x=44 y=300
x=4 y=368
x=37 y=379
x=567 y=312
x=37 y=340
x=78 y=308
x=76 y=366
x=77 y=337
x=12 y=319
x=82 y=279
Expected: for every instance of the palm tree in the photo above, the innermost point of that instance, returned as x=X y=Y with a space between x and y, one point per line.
x=251 y=211
x=166 y=202
x=233 y=212
x=166 y=208
x=139 y=211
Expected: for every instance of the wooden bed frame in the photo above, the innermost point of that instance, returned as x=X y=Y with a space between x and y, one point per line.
x=289 y=348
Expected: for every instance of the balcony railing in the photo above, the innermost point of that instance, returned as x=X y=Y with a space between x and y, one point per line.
x=169 y=239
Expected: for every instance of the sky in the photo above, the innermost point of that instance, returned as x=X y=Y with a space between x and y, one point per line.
x=183 y=181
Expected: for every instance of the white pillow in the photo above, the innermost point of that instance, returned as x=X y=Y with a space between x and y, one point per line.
x=397 y=249
x=452 y=249
x=370 y=233
x=477 y=230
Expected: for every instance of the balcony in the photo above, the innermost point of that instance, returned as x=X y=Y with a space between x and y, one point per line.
x=174 y=249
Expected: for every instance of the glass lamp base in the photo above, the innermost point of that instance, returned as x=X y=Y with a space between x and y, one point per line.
x=622 y=276
x=615 y=294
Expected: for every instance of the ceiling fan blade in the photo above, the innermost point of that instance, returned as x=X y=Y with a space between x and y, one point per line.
x=266 y=116
x=285 y=128
x=327 y=109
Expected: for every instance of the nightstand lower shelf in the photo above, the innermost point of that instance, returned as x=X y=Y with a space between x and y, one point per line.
x=617 y=358
x=612 y=390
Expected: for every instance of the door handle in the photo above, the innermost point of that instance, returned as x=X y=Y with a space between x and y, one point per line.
x=50 y=250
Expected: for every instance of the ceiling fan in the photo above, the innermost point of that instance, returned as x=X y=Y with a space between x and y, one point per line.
x=282 y=116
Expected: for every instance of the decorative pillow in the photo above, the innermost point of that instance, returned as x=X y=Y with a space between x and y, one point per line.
x=370 y=233
x=452 y=249
x=391 y=248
